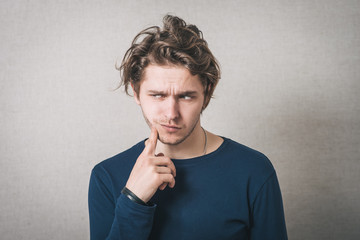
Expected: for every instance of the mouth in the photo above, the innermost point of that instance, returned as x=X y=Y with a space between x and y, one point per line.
x=170 y=128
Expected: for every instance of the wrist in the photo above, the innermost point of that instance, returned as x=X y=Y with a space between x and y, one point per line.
x=129 y=194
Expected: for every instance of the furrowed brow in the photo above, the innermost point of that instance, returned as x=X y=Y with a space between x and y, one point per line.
x=155 y=92
x=185 y=93
x=188 y=93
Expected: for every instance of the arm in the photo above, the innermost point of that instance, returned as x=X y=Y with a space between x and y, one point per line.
x=268 y=221
x=120 y=219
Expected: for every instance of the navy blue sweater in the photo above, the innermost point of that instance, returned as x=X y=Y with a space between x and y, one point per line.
x=231 y=193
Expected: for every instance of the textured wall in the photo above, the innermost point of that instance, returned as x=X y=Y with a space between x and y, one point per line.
x=290 y=88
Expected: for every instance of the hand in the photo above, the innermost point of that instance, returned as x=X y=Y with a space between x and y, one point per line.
x=151 y=172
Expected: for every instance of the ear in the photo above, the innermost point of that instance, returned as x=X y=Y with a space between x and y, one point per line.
x=136 y=96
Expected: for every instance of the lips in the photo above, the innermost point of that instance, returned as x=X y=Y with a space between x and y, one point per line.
x=170 y=128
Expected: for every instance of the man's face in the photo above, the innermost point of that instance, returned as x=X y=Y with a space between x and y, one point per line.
x=171 y=100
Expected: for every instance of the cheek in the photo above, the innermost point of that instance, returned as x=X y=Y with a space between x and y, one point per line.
x=151 y=111
x=191 y=112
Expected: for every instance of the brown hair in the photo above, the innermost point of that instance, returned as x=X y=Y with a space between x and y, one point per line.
x=177 y=43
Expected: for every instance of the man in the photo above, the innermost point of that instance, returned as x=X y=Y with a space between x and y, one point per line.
x=183 y=182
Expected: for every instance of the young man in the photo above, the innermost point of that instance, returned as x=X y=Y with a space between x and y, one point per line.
x=183 y=182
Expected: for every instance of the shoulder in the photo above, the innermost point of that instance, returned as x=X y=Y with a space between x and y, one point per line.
x=121 y=161
x=249 y=160
x=245 y=153
x=248 y=166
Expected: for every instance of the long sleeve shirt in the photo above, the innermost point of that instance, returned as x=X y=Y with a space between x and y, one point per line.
x=231 y=193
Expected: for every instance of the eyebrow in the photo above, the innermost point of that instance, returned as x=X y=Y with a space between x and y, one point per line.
x=179 y=94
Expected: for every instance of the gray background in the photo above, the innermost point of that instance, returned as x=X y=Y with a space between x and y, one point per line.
x=290 y=88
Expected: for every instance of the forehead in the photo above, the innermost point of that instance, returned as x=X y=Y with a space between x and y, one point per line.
x=170 y=76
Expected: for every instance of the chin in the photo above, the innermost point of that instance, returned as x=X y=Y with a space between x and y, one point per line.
x=171 y=140
x=167 y=140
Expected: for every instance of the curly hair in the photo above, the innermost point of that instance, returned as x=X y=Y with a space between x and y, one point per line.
x=176 y=44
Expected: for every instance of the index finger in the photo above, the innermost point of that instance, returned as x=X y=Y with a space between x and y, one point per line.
x=152 y=141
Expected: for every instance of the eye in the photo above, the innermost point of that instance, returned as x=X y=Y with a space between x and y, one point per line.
x=186 y=97
x=157 y=96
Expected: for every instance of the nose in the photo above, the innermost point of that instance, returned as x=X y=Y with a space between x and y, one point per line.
x=172 y=109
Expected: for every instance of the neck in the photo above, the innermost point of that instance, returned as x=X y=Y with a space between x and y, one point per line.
x=192 y=146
